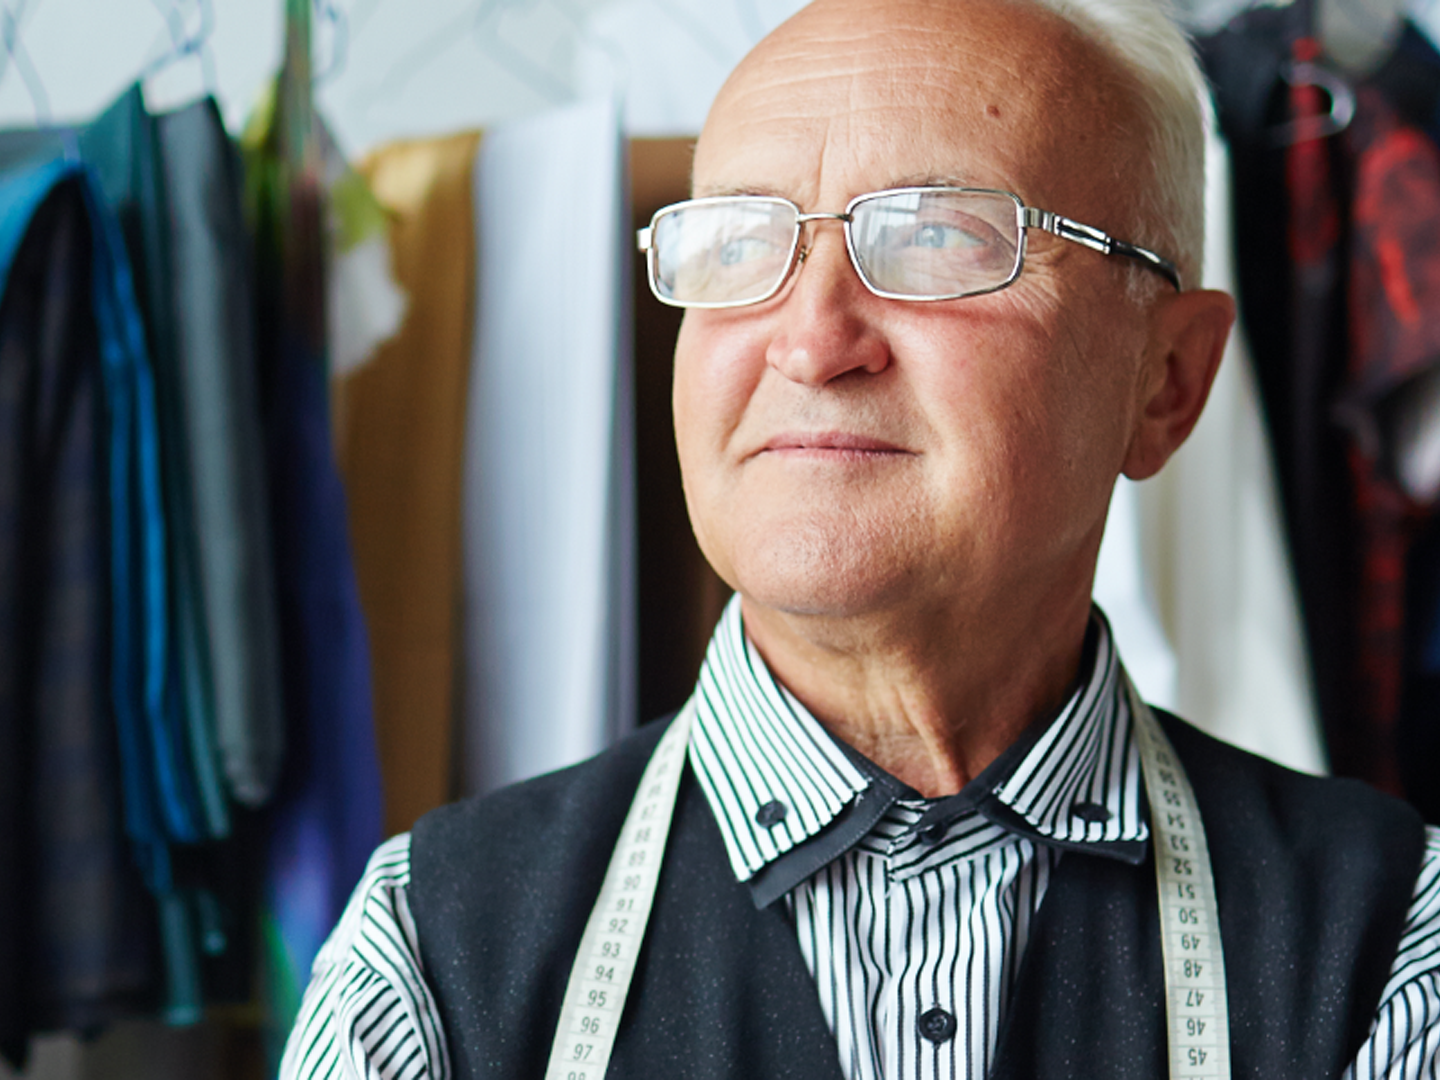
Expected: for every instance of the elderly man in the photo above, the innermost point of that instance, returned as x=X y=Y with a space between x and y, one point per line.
x=940 y=272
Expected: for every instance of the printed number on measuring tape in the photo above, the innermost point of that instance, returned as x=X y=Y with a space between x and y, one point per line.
x=1195 y=1001
x=605 y=964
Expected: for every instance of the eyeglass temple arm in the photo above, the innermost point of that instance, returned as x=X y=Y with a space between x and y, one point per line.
x=1100 y=241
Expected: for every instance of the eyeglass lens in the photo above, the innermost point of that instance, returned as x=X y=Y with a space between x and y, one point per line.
x=724 y=251
x=922 y=244
x=936 y=243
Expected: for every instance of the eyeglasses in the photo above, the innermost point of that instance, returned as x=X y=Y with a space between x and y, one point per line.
x=917 y=243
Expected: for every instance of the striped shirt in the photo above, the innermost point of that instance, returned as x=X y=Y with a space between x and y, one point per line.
x=912 y=914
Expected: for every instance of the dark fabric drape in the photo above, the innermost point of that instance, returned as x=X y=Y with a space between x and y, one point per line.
x=1336 y=242
x=76 y=927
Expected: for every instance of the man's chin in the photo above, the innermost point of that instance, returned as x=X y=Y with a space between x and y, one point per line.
x=824 y=564
x=823 y=592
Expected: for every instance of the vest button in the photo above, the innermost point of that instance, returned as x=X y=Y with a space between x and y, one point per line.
x=937 y=1025
x=771 y=814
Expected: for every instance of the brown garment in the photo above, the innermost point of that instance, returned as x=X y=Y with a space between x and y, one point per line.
x=400 y=450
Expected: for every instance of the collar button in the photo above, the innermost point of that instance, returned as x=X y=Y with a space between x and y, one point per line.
x=933 y=834
x=771 y=814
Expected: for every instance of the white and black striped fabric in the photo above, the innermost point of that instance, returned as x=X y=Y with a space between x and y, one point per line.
x=367 y=1011
x=914 y=934
x=914 y=926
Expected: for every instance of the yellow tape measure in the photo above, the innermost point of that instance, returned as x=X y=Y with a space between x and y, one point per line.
x=1196 y=1006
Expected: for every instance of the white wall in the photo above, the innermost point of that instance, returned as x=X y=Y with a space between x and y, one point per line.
x=407 y=67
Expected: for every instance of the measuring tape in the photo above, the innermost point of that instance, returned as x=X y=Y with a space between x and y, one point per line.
x=605 y=964
x=1195 y=1002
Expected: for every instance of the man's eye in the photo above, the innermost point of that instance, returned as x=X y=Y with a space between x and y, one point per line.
x=743 y=249
x=943 y=236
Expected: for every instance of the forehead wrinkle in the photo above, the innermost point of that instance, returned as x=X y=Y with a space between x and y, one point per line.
x=835 y=86
x=912 y=74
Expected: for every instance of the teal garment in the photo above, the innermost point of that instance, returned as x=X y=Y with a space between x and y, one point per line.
x=159 y=799
x=175 y=180
x=172 y=691
x=152 y=748
x=121 y=147
x=174 y=183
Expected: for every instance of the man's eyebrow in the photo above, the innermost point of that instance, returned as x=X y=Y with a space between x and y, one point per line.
x=915 y=180
x=715 y=192
x=933 y=180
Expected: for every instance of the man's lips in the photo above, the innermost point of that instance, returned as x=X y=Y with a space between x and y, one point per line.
x=837 y=444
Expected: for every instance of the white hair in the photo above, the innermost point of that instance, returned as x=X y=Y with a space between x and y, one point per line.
x=1145 y=39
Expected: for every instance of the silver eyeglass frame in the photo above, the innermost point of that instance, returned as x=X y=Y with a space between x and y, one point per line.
x=1026 y=218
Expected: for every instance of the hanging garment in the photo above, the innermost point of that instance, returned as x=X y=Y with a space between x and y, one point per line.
x=1395 y=342
x=1290 y=272
x=226 y=499
x=170 y=783
x=1344 y=387
x=172 y=181
x=174 y=789
x=153 y=690
x=1410 y=83
x=159 y=679
x=1206 y=568
x=327 y=814
x=1321 y=498
x=401 y=440
x=1409 y=418
x=75 y=924
x=549 y=470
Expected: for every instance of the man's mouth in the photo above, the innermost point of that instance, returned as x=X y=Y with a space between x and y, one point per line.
x=830 y=444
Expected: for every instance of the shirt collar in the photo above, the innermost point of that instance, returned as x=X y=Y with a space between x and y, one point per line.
x=776 y=780
x=753 y=746
x=1080 y=784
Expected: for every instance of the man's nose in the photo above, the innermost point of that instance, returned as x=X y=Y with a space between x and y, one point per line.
x=823 y=325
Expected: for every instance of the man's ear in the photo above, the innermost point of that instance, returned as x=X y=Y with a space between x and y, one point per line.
x=1187 y=339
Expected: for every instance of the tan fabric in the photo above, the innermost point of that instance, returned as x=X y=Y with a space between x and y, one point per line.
x=401 y=419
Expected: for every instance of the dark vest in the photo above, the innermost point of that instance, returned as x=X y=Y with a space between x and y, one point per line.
x=1314 y=878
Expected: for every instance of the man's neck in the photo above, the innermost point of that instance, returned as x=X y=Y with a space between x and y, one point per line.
x=933 y=701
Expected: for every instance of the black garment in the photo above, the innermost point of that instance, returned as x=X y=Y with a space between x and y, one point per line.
x=1314 y=878
x=1291 y=293
x=1410 y=83
x=76 y=926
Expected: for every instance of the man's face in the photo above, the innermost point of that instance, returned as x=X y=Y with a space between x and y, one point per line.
x=845 y=454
